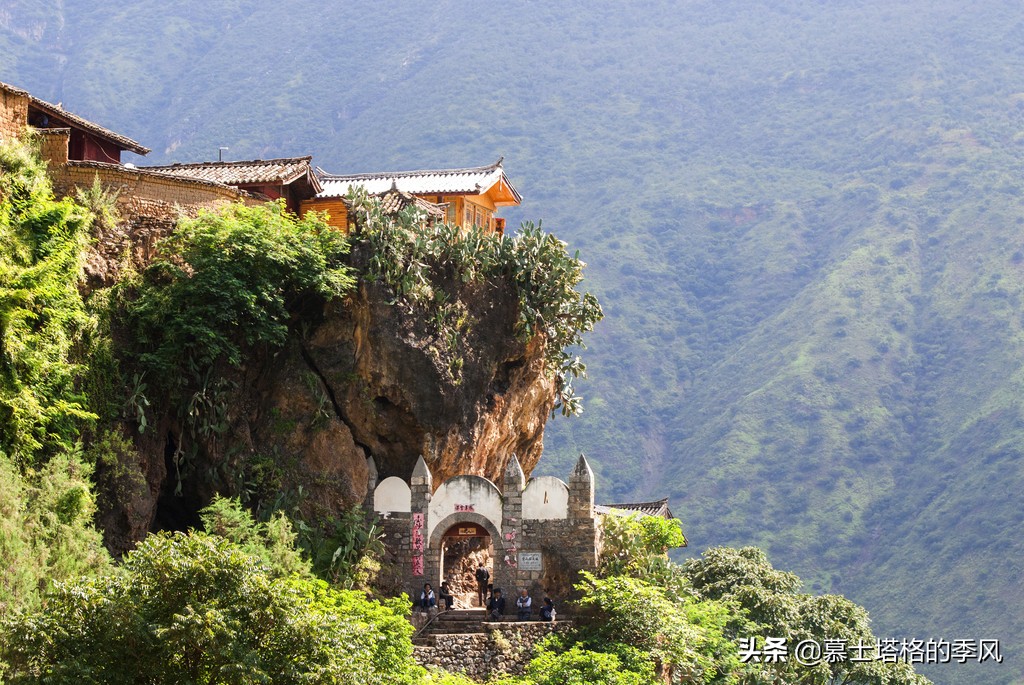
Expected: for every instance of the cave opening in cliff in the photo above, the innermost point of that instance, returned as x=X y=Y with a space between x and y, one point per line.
x=177 y=508
x=463 y=547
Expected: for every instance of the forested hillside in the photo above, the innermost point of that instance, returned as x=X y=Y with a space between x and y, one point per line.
x=803 y=220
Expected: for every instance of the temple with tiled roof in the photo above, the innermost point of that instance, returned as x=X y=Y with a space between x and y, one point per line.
x=469 y=196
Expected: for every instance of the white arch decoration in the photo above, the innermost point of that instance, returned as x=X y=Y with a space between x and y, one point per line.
x=546 y=498
x=462 y=495
x=392 y=495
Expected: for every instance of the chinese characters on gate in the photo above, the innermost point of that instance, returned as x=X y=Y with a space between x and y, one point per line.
x=417 y=544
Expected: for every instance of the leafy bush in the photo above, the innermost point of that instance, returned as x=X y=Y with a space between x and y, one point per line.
x=195 y=608
x=271 y=541
x=227 y=279
x=424 y=264
x=684 y=637
x=579 y=666
x=638 y=546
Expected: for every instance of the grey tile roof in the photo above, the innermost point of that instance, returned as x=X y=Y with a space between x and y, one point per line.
x=657 y=508
x=470 y=180
x=284 y=170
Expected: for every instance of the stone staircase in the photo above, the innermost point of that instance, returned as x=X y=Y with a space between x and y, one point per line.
x=456 y=621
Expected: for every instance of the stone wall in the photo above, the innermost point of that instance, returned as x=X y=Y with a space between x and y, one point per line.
x=506 y=648
x=141 y=186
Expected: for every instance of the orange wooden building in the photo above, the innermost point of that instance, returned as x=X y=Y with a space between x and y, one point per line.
x=466 y=197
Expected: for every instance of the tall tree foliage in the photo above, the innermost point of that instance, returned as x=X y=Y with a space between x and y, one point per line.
x=46 y=501
x=42 y=317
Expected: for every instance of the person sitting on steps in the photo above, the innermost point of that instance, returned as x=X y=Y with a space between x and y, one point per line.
x=524 y=602
x=427 y=598
x=496 y=607
x=447 y=596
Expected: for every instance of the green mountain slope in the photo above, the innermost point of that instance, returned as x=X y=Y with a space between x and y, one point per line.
x=804 y=221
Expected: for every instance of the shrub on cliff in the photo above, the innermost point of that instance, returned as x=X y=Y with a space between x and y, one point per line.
x=194 y=608
x=228 y=279
x=425 y=265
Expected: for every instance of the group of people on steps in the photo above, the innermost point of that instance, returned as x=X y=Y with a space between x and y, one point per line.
x=488 y=596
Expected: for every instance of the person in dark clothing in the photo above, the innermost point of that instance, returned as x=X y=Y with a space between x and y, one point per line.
x=482 y=578
x=547 y=612
x=496 y=607
x=427 y=598
x=446 y=595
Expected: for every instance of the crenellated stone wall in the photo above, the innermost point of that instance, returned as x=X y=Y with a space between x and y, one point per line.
x=541 y=533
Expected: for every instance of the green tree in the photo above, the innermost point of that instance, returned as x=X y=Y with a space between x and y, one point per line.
x=271 y=541
x=46 y=530
x=638 y=546
x=685 y=637
x=426 y=266
x=770 y=599
x=194 y=608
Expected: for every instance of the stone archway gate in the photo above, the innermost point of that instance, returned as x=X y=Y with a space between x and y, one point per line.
x=535 y=527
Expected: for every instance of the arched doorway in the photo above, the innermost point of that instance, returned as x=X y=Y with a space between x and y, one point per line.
x=464 y=546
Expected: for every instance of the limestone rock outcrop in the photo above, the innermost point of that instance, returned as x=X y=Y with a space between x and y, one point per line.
x=358 y=377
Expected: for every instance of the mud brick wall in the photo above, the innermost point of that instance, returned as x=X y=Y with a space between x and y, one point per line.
x=138 y=186
x=13 y=114
x=149 y=204
x=505 y=648
x=53 y=145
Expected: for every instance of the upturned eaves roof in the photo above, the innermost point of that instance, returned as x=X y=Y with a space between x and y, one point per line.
x=658 y=508
x=464 y=181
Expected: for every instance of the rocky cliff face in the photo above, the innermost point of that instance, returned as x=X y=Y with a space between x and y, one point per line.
x=360 y=377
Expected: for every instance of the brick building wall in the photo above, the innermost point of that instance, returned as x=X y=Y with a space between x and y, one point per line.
x=13 y=113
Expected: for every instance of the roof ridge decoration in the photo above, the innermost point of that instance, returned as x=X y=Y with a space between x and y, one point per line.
x=457 y=181
x=326 y=176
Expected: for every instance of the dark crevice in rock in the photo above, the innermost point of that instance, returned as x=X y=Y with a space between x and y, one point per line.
x=176 y=511
x=338 y=411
